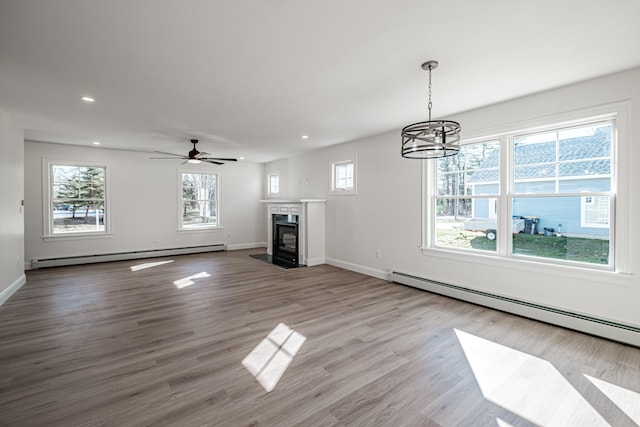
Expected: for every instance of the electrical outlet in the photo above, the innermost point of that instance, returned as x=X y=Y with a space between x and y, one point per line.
x=379 y=254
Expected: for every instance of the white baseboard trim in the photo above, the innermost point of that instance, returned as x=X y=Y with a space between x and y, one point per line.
x=315 y=261
x=12 y=288
x=629 y=334
x=240 y=246
x=373 y=272
x=124 y=256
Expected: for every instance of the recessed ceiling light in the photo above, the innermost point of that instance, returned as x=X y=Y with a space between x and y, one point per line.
x=96 y=142
x=305 y=136
x=241 y=158
x=88 y=99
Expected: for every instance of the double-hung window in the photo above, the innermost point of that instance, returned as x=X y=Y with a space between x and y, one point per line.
x=76 y=202
x=546 y=195
x=199 y=201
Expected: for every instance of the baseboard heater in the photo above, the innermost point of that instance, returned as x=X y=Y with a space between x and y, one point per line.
x=624 y=333
x=123 y=256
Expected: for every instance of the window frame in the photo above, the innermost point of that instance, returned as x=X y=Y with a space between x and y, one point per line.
x=204 y=226
x=271 y=176
x=337 y=190
x=47 y=200
x=618 y=113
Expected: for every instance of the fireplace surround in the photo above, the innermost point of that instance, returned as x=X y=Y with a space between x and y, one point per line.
x=309 y=217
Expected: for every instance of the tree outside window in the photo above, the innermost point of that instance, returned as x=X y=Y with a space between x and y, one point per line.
x=199 y=200
x=77 y=199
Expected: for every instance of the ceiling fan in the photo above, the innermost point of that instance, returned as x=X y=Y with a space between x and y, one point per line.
x=195 y=156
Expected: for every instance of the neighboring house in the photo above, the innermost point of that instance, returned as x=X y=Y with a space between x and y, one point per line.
x=571 y=165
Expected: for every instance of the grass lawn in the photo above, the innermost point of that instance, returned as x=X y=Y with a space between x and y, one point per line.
x=595 y=251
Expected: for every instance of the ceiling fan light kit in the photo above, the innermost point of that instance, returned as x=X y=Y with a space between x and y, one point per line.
x=433 y=138
x=195 y=156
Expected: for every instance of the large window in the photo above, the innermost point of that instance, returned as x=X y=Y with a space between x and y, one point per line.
x=547 y=195
x=199 y=201
x=77 y=199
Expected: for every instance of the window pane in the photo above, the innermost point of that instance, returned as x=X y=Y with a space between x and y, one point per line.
x=199 y=195
x=198 y=213
x=535 y=187
x=78 y=199
x=81 y=217
x=556 y=228
x=450 y=184
x=585 y=142
x=343 y=176
x=557 y=161
x=274 y=184
x=536 y=148
x=455 y=228
x=586 y=168
x=474 y=171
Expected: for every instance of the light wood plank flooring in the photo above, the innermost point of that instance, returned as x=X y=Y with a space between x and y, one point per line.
x=120 y=345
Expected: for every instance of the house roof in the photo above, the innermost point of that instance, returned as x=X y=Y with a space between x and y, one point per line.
x=579 y=156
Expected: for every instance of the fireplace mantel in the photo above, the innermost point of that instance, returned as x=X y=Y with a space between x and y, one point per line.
x=288 y=201
x=311 y=226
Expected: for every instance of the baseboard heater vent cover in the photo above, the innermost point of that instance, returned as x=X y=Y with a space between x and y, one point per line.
x=621 y=332
x=123 y=256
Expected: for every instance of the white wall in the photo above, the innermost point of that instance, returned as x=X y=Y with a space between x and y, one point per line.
x=143 y=198
x=385 y=215
x=11 y=211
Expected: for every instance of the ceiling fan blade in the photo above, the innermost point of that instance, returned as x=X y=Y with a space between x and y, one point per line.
x=211 y=161
x=168 y=158
x=219 y=158
x=170 y=154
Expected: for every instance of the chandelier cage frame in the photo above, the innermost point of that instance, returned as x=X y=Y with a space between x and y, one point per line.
x=432 y=138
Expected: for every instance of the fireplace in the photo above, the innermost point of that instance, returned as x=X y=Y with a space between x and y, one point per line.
x=285 y=240
x=295 y=223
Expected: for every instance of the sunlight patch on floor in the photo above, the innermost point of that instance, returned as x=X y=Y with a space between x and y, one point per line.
x=526 y=385
x=188 y=281
x=148 y=265
x=503 y=423
x=271 y=357
x=628 y=401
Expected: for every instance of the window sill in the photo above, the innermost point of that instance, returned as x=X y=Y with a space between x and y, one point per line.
x=203 y=228
x=75 y=236
x=344 y=193
x=598 y=274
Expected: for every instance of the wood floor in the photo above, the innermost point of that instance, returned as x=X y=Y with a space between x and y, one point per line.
x=143 y=344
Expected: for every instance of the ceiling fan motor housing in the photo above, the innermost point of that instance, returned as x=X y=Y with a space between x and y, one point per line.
x=194 y=153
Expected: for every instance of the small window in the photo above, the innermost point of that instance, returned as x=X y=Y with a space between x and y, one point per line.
x=343 y=177
x=273 y=184
x=77 y=199
x=595 y=212
x=199 y=201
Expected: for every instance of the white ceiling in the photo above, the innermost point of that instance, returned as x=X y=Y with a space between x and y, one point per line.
x=250 y=77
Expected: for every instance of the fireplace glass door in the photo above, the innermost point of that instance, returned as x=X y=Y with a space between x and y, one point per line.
x=285 y=239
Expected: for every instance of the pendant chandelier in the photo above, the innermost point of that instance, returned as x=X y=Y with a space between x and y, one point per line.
x=433 y=138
